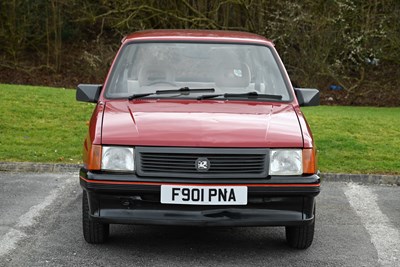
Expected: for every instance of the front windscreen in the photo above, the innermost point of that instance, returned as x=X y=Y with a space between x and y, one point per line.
x=227 y=68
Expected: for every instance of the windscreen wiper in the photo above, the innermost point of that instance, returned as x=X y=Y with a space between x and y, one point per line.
x=242 y=95
x=181 y=91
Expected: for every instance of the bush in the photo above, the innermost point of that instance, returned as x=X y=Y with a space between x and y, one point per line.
x=354 y=44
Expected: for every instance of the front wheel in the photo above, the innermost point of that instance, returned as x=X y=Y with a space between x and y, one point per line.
x=94 y=232
x=300 y=237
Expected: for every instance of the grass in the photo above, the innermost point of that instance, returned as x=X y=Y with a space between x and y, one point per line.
x=43 y=124
x=356 y=139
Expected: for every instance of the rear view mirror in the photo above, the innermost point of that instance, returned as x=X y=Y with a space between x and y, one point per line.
x=307 y=97
x=88 y=92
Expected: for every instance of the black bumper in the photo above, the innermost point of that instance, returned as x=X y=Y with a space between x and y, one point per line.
x=129 y=199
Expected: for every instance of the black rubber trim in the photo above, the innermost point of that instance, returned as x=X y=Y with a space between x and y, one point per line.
x=226 y=217
x=258 y=188
x=118 y=188
x=132 y=177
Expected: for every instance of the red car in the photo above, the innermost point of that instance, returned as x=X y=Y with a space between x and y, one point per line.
x=199 y=128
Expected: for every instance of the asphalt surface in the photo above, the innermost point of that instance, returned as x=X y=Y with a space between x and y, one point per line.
x=40 y=225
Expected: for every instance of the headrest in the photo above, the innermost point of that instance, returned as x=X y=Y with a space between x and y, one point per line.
x=230 y=74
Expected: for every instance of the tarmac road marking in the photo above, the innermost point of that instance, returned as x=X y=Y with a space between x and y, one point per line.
x=384 y=236
x=9 y=241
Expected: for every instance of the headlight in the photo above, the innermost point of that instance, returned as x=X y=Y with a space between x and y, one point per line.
x=285 y=162
x=116 y=158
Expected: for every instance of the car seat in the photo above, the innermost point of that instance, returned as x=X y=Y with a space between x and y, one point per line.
x=156 y=72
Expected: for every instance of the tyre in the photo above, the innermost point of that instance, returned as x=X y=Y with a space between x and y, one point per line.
x=94 y=232
x=300 y=237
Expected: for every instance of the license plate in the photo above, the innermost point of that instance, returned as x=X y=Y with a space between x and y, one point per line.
x=204 y=195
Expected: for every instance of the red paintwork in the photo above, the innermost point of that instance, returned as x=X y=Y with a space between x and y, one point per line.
x=197 y=35
x=306 y=131
x=94 y=135
x=193 y=123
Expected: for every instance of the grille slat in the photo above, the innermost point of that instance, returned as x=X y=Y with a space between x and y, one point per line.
x=235 y=167
x=236 y=163
x=181 y=162
x=164 y=167
x=169 y=161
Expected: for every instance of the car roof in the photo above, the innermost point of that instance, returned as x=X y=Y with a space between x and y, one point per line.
x=197 y=35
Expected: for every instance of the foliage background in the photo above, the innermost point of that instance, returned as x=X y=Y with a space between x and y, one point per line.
x=354 y=44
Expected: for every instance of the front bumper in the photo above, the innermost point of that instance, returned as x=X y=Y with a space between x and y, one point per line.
x=129 y=199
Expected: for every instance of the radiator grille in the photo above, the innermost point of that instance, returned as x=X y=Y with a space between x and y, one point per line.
x=182 y=162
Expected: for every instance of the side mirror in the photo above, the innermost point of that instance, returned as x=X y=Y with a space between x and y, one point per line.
x=307 y=97
x=88 y=92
